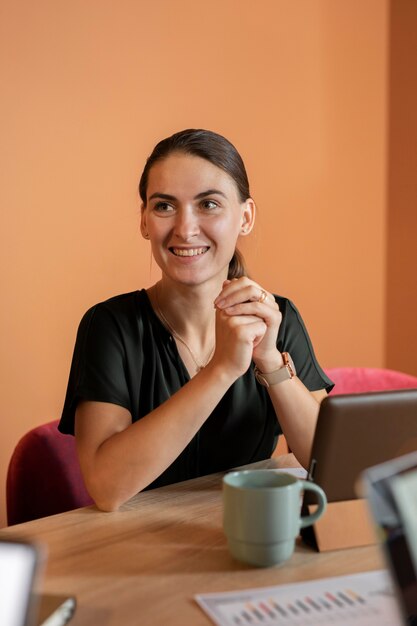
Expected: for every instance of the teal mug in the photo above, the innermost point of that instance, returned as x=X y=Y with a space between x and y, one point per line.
x=262 y=514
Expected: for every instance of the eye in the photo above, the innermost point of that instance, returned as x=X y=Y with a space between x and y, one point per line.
x=163 y=207
x=209 y=204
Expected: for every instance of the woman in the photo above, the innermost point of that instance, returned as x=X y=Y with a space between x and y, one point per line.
x=191 y=376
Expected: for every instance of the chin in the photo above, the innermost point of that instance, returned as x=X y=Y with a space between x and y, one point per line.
x=193 y=279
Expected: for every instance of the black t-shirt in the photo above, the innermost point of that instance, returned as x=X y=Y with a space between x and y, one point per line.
x=124 y=355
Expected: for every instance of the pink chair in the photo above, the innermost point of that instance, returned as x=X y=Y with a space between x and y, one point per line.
x=364 y=379
x=44 y=476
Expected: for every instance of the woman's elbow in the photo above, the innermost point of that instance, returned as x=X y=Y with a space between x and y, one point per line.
x=108 y=491
x=107 y=506
x=104 y=499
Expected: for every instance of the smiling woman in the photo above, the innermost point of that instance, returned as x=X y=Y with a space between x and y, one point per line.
x=193 y=375
x=193 y=216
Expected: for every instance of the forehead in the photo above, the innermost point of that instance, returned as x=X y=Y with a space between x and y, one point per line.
x=185 y=174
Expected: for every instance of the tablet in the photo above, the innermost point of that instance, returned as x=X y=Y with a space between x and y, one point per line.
x=356 y=431
x=391 y=491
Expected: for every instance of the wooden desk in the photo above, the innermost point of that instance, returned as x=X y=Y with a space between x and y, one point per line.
x=144 y=563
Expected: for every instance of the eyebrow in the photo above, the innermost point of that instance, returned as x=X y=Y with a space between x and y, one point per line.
x=209 y=192
x=203 y=194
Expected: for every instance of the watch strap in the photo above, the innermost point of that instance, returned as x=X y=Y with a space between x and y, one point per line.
x=285 y=372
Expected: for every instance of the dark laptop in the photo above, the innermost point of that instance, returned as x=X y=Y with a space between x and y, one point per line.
x=356 y=431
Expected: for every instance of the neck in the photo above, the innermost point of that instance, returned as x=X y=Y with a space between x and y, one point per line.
x=189 y=310
x=190 y=317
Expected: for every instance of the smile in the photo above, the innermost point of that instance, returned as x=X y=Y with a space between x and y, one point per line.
x=188 y=251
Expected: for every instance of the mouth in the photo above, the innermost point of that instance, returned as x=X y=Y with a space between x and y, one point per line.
x=189 y=251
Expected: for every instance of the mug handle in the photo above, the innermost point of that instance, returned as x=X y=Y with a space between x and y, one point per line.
x=307 y=520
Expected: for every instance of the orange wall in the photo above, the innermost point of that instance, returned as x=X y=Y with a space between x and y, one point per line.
x=88 y=88
x=401 y=290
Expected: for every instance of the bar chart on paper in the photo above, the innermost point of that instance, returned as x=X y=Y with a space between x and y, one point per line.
x=360 y=599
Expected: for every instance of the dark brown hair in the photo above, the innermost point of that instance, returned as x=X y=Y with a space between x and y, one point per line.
x=213 y=148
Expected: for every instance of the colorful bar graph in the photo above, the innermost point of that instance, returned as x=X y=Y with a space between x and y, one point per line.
x=355 y=600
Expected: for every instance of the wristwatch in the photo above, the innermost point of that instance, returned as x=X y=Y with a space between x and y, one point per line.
x=285 y=372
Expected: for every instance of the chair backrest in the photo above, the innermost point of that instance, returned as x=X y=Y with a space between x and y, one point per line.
x=44 y=476
x=364 y=379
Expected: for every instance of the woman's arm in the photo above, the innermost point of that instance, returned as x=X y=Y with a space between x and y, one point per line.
x=118 y=459
x=295 y=405
x=298 y=409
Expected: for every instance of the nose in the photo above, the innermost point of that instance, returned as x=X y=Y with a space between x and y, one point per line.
x=186 y=224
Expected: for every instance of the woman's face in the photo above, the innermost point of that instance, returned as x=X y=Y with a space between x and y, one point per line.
x=193 y=218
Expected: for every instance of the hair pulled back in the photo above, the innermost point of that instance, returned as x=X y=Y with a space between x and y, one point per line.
x=213 y=148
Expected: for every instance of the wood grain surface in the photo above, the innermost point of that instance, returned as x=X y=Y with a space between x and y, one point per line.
x=144 y=563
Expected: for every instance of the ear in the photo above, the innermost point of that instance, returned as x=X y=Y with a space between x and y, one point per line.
x=143 y=227
x=248 y=217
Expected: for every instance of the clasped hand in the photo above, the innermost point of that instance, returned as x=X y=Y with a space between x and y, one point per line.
x=247 y=323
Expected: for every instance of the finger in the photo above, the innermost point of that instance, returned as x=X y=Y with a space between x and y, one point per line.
x=254 y=332
x=236 y=294
x=250 y=332
x=238 y=320
x=268 y=312
x=231 y=286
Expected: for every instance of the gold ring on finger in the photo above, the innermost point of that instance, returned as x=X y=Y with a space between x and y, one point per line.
x=263 y=295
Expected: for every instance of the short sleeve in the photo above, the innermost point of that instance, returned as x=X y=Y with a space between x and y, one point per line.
x=293 y=338
x=98 y=365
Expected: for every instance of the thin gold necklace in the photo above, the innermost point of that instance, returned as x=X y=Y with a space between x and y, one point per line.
x=199 y=366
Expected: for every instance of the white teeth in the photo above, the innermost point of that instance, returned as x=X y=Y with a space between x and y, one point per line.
x=189 y=251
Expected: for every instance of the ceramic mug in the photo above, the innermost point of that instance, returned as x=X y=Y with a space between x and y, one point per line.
x=262 y=514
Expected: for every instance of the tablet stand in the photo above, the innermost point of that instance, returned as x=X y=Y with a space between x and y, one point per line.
x=345 y=524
